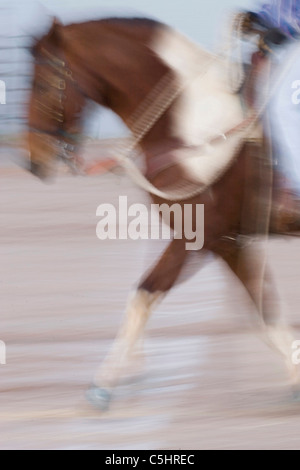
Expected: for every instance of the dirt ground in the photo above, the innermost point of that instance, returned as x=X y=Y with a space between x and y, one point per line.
x=208 y=383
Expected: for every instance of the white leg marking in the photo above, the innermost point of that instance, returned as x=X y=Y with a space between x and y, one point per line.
x=138 y=311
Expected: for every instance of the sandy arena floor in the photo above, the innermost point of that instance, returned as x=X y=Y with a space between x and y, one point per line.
x=209 y=382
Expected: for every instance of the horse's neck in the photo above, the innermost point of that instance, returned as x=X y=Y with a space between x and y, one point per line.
x=129 y=59
x=131 y=62
x=115 y=59
x=179 y=53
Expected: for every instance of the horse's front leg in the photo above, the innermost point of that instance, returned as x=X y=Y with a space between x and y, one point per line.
x=140 y=306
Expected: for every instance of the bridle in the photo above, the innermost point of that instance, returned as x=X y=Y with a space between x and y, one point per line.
x=65 y=142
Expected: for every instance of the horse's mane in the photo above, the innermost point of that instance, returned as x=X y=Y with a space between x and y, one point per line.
x=138 y=21
x=150 y=23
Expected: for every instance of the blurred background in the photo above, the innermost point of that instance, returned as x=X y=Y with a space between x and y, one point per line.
x=208 y=382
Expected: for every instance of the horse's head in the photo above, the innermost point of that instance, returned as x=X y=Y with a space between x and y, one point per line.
x=55 y=105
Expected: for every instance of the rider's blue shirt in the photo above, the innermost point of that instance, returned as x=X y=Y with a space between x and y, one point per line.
x=282 y=14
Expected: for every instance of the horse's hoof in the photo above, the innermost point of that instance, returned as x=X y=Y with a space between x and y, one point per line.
x=99 y=398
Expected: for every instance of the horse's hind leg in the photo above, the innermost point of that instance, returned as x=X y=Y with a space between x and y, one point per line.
x=250 y=268
x=140 y=306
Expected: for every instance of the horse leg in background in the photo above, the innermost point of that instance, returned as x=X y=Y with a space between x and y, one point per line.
x=257 y=279
x=150 y=291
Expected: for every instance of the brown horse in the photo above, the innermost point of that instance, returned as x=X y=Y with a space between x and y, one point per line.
x=117 y=63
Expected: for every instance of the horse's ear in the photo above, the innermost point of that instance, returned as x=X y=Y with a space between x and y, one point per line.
x=53 y=34
x=56 y=23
